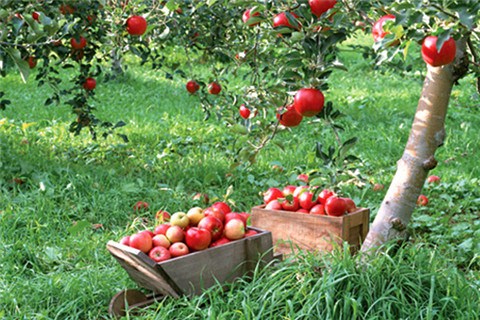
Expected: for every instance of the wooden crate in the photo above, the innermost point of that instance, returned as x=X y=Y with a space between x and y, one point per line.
x=311 y=232
x=190 y=274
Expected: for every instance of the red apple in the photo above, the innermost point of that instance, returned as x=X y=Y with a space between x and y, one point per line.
x=78 y=45
x=307 y=200
x=65 y=8
x=272 y=194
x=288 y=190
x=324 y=195
x=159 y=254
x=309 y=102
x=214 y=88
x=250 y=233
x=319 y=7
x=161 y=240
x=290 y=118
x=299 y=190
x=141 y=241
x=281 y=20
x=301 y=210
x=212 y=224
x=194 y=215
x=179 y=219
x=246 y=215
x=162 y=216
x=234 y=215
x=434 y=57
x=150 y=233
x=219 y=242
x=89 y=84
x=378 y=187
x=336 y=206
x=198 y=238
x=273 y=205
x=234 y=229
x=303 y=177
x=318 y=209
x=433 y=179
x=31 y=62
x=178 y=249
x=36 y=16
x=222 y=205
x=175 y=234
x=377 y=29
x=136 y=25
x=246 y=16
x=290 y=205
x=215 y=212
x=192 y=86
x=244 y=111
x=141 y=205
x=422 y=200
x=161 y=228
x=351 y=206
x=203 y=197
x=125 y=241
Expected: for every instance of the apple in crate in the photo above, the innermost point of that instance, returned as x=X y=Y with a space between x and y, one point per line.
x=273 y=205
x=214 y=225
x=175 y=234
x=223 y=206
x=336 y=206
x=318 y=209
x=159 y=254
x=161 y=228
x=194 y=215
x=250 y=232
x=125 y=241
x=179 y=219
x=272 y=194
x=215 y=212
x=178 y=249
x=351 y=206
x=197 y=238
x=219 y=242
x=234 y=229
x=235 y=215
x=141 y=241
x=161 y=240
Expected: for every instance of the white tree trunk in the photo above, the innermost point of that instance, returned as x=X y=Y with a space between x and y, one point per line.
x=426 y=135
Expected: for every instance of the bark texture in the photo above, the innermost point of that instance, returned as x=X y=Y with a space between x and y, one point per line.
x=426 y=135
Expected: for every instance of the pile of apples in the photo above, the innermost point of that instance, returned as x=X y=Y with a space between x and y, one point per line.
x=195 y=230
x=302 y=199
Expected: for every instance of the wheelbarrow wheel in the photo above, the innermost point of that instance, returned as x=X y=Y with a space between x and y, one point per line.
x=129 y=299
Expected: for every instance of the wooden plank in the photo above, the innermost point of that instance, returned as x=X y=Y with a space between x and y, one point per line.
x=192 y=273
x=143 y=270
x=221 y=264
x=299 y=231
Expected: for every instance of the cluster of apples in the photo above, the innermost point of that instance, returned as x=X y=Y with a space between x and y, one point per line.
x=302 y=199
x=184 y=232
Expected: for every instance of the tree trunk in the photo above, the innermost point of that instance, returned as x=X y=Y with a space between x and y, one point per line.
x=426 y=135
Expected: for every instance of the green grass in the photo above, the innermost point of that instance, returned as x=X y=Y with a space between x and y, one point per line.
x=52 y=270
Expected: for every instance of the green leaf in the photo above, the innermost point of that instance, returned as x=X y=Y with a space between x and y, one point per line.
x=466 y=19
x=129 y=187
x=21 y=64
x=238 y=128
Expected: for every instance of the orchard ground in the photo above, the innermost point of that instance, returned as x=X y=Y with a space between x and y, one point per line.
x=77 y=194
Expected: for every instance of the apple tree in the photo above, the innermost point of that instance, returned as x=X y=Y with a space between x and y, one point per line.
x=300 y=52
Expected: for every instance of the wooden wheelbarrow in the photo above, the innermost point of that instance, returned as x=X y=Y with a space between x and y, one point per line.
x=190 y=274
